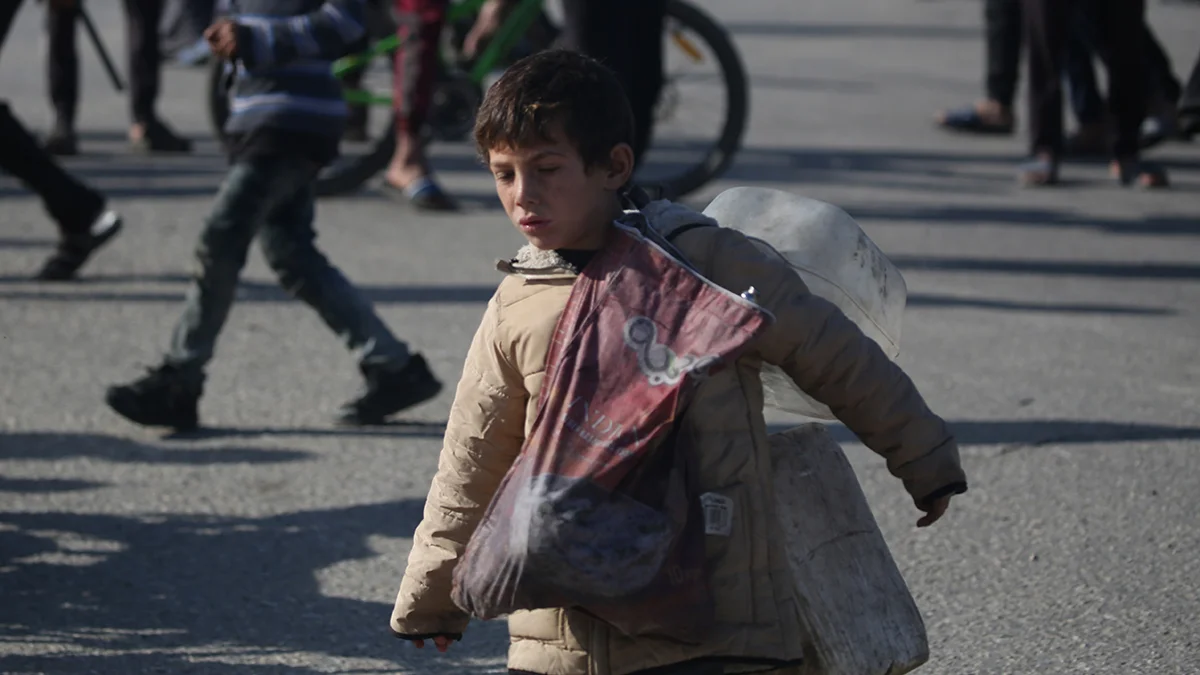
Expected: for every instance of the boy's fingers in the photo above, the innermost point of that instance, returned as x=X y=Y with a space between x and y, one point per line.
x=935 y=511
x=442 y=642
x=419 y=644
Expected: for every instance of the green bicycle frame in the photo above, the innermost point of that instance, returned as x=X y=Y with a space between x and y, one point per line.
x=510 y=32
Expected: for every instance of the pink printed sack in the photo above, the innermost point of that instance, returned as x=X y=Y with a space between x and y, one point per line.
x=599 y=511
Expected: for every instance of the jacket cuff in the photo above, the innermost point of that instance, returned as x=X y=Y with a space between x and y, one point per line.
x=939 y=469
x=951 y=489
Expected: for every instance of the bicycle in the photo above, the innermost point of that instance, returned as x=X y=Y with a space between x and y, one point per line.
x=527 y=29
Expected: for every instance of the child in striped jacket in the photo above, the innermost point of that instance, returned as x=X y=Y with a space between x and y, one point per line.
x=286 y=120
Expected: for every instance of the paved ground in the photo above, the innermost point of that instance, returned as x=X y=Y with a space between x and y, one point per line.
x=1058 y=331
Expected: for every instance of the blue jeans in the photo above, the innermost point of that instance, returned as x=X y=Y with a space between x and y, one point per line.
x=272 y=197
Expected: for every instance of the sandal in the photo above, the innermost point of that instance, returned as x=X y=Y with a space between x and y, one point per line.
x=1038 y=172
x=969 y=120
x=1134 y=171
x=423 y=194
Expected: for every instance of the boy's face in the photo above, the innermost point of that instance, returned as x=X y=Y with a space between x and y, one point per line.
x=553 y=199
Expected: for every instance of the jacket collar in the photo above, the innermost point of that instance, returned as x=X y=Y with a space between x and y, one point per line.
x=663 y=216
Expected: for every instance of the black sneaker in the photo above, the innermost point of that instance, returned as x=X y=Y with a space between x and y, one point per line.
x=74 y=250
x=389 y=392
x=164 y=397
x=62 y=143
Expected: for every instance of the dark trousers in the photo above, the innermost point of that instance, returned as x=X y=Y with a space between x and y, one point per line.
x=142 y=18
x=416 y=66
x=626 y=36
x=1085 y=43
x=1190 y=101
x=1117 y=24
x=1002 y=44
x=70 y=203
x=271 y=198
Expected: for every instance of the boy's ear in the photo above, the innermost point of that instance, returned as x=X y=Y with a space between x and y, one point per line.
x=620 y=166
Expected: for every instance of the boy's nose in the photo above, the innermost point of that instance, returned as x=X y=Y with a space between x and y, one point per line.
x=527 y=190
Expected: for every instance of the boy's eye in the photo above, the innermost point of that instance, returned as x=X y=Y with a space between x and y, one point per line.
x=503 y=176
x=547 y=169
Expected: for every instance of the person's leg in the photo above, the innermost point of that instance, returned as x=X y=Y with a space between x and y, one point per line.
x=1092 y=136
x=1003 y=33
x=644 y=23
x=1189 y=102
x=396 y=379
x=8 y=13
x=63 y=78
x=84 y=224
x=420 y=25
x=1119 y=24
x=1158 y=68
x=147 y=132
x=168 y=396
x=1163 y=91
x=626 y=36
x=1047 y=22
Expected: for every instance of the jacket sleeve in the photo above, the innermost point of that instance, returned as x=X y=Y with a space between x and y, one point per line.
x=827 y=355
x=325 y=34
x=484 y=434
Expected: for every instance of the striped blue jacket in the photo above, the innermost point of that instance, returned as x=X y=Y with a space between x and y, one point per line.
x=284 y=74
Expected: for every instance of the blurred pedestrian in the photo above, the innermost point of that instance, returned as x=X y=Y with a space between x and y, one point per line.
x=84 y=221
x=147 y=132
x=1117 y=23
x=286 y=121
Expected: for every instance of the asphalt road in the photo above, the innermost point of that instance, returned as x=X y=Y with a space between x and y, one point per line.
x=1057 y=330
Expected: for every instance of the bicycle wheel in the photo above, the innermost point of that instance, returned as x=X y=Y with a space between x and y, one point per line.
x=684 y=157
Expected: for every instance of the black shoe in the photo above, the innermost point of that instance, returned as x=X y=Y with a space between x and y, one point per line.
x=73 y=251
x=164 y=397
x=62 y=143
x=389 y=392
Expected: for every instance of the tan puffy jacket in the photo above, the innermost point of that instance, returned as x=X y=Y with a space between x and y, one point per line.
x=494 y=407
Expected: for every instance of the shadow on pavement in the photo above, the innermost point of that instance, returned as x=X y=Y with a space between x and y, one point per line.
x=1071 y=268
x=956 y=302
x=206 y=594
x=399 y=429
x=1034 y=217
x=36 y=485
x=1042 y=432
x=248 y=291
x=55 y=446
x=857 y=30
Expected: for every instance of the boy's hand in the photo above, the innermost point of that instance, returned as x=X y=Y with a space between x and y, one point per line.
x=441 y=642
x=933 y=510
x=222 y=38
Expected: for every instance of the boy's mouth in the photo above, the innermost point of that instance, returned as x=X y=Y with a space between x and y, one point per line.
x=533 y=224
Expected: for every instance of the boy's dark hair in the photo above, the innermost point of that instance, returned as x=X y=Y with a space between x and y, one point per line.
x=556 y=89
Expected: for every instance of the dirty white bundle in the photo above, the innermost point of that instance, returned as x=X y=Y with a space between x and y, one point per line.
x=834 y=257
x=859 y=615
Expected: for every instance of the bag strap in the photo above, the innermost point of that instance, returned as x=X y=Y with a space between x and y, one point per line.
x=685 y=228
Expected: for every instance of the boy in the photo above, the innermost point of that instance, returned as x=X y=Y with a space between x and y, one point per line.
x=555 y=131
x=286 y=118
